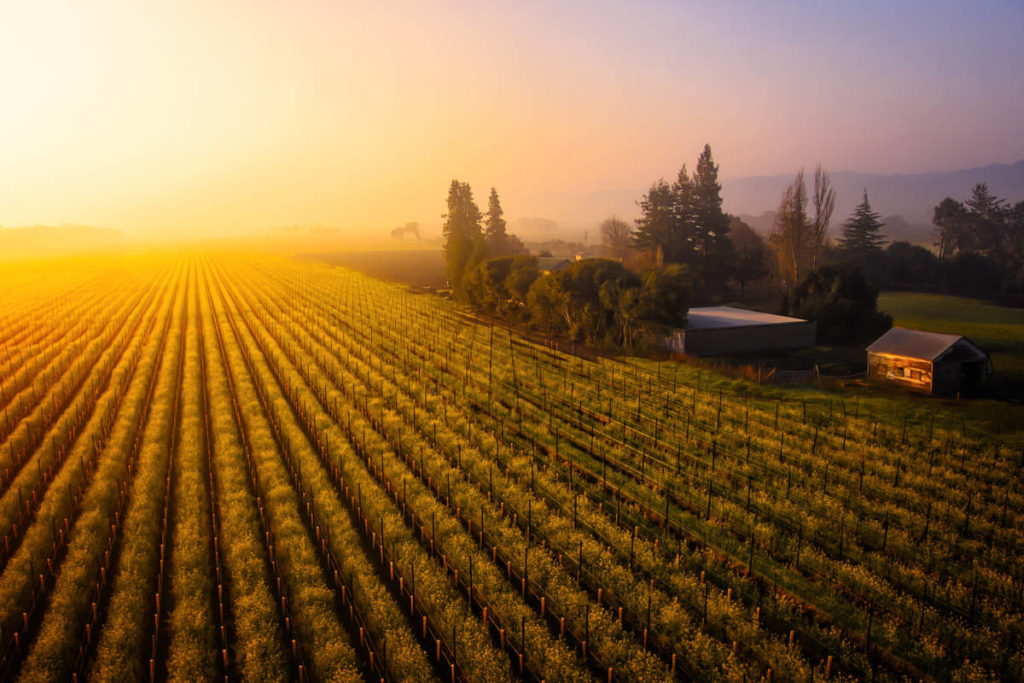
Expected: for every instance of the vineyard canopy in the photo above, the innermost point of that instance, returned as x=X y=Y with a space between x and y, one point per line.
x=927 y=362
x=715 y=330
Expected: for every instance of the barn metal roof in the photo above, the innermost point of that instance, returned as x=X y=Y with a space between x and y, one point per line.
x=900 y=341
x=552 y=263
x=718 y=317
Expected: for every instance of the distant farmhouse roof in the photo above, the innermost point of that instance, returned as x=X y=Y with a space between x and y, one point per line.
x=930 y=346
x=717 y=317
x=551 y=264
x=715 y=330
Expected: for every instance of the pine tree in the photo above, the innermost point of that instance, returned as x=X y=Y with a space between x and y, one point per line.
x=713 y=250
x=710 y=224
x=681 y=247
x=656 y=225
x=463 y=238
x=495 y=236
x=862 y=237
x=989 y=218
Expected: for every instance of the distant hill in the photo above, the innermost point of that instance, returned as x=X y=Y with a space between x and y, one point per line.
x=908 y=199
x=912 y=196
x=40 y=240
x=895 y=228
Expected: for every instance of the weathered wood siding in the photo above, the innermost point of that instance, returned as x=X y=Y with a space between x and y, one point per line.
x=900 y=371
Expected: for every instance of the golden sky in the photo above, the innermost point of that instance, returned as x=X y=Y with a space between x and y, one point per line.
x=218 y=117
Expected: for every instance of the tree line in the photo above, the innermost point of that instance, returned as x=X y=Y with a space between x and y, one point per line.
x=978 y=249
x=684 y=249
x=598 y=300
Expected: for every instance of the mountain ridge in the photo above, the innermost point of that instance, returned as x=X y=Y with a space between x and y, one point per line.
x=910 y=196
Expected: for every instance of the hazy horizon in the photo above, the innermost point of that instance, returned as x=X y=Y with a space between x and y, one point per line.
x=203 y=119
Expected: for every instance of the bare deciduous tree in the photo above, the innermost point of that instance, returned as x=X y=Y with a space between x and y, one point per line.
x=616 y=235
x=824 y=207
x=791 y=233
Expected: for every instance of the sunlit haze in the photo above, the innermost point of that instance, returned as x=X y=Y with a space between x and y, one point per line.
x=204 y=118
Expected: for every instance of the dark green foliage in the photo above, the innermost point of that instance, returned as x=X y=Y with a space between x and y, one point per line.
x=522 y=274
x=983 y=224
x=712 y=249
x=665 y=297
x=496 y=238
x=981 y=243
x=485 y=284
x=862 y=237
x=684 y=223
x=464 y=244
x=589 y=318
x=548 y=305
x=907 y=265
x=658 y=227
x=601 y=301
x=842 y=303
x=751 y=253
x=500 y=285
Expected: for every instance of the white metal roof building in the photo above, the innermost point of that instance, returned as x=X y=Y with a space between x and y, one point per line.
x=714 y=330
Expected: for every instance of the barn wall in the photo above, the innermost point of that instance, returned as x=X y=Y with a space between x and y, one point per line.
x=727 y=340
x=899 y=371
x=947 y=378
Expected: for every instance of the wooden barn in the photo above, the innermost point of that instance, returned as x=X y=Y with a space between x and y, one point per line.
x=927 y=362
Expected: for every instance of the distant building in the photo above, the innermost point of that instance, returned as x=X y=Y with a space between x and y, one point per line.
x=717 y=330
x=927 y=362
x=551 y=264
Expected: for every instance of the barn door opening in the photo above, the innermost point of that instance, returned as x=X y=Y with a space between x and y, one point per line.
x=973 y=375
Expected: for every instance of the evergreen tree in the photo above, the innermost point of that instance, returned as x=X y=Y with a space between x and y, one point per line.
x=463 y=237
x=715 y=258
x=684 y=222
x=981 y=225
x=710 y=224
x=989 y=216
x=862 y=238
x=682 y=248
x=656 y=226
x=495 y=236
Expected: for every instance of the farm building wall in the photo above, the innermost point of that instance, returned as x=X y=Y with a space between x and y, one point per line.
x=946 y=378
x=744 y=339
x=900 y=371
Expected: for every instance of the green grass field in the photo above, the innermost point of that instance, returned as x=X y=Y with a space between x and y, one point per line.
x=997 y=329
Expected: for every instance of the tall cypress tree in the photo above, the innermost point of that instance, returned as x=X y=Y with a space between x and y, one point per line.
x=463 y=237
x=862 y=234
x=495 y=236
x=710 y=224
x=681 y=249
